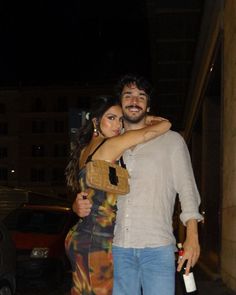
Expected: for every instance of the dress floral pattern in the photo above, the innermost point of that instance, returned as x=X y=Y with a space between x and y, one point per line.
x=88 y=245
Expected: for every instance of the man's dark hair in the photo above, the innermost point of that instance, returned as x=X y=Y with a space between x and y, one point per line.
x=139 y=81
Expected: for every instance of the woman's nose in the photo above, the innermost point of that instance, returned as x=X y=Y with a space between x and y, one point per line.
x=118 y=124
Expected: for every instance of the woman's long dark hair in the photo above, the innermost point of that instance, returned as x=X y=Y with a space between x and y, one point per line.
x=99 y=106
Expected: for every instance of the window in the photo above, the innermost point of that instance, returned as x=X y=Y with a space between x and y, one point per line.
x=3 y=174
x=3 y=128
x=61 y=105
x=38 y=126
x=36 y=221
x=84 y=102
x=60 y=150
x=37 y=175
x=58 y=175
x=38 y=105
x=38 y=151
x=59 y=126
x=3 y=152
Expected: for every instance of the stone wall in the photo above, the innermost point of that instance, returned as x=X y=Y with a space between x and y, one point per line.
x=228 y=247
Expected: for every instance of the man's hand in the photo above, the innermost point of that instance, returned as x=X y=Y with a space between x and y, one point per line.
x=81 y=205
x=191 y=247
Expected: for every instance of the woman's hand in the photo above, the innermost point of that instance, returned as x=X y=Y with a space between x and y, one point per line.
x=81 y=205
x=150 y=120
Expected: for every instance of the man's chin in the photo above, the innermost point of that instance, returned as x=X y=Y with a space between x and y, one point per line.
x=133 y=119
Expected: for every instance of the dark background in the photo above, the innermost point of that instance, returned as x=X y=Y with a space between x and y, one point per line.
x=62 y=41
x=89 y=43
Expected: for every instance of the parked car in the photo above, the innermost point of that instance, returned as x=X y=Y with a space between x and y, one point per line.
x=7 y=262
x=38 y=232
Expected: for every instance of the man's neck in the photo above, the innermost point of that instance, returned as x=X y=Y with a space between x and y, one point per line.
x=134 y=126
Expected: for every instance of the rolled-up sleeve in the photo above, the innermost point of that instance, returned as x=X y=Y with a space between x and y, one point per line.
x=184 y=183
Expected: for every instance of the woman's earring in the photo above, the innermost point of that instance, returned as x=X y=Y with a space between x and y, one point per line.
x=95 y=131
x=95 y=127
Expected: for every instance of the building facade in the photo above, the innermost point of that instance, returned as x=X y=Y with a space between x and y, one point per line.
x=36 y=125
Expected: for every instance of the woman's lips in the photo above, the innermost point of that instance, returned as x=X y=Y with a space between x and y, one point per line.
x=116 y=132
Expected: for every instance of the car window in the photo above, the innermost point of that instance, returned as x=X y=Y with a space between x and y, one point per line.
x=39 y=221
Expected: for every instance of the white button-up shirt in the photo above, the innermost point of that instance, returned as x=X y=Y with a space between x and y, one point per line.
x=159 y=169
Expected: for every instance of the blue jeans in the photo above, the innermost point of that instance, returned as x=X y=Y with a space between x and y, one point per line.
x=153 y=269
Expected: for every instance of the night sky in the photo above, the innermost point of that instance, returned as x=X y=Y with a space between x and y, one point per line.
x=72 y=41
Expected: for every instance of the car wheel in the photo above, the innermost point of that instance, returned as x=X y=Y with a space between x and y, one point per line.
x=5 y=289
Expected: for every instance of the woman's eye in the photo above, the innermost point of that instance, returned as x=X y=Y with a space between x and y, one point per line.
x=111 y=117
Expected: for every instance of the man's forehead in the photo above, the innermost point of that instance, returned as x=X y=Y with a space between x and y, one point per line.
x=131 y=87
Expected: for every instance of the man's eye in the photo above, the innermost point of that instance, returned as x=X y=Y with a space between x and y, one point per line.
x=142 y=97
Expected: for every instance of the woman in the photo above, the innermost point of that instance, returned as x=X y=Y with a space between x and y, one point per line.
x=88 y=244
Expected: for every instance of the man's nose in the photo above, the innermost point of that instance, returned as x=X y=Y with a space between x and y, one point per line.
x=134 y=98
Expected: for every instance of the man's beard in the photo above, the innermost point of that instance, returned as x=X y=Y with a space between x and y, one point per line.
x=134 y=120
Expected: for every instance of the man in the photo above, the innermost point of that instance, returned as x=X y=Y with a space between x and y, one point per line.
x=144 y=245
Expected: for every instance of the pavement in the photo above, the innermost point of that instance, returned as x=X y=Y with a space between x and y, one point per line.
x=208 y=284
x=214 y=288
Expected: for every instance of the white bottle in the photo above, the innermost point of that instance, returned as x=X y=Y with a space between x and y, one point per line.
x=189 y=281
